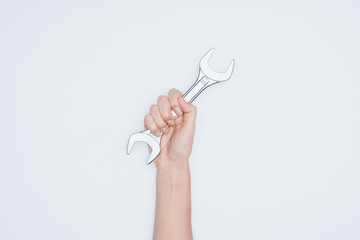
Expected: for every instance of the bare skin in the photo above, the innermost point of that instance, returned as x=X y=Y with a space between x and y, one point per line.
x=173 y=198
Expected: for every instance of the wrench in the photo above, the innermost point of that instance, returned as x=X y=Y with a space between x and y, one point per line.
x=206 y=78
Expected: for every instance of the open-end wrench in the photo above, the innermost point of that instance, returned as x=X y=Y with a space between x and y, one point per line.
x=206 y=78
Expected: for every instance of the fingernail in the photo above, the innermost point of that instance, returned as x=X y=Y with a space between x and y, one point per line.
x=164 y=130
x=178 y=110
x=170 y=122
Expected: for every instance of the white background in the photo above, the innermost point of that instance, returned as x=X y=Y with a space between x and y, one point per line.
x=276 y=152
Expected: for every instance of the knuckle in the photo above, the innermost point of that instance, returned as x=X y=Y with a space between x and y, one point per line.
x=152 y=128
x=174 y=103
x=166 y=115
x=153 y=108
x=174 y=91
x=147 y=117
x=147 y=120
x=162 y=124
x=171 y=90
x=162 y=98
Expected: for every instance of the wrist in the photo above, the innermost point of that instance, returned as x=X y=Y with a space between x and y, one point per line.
x=165 y=165
x=172 y=175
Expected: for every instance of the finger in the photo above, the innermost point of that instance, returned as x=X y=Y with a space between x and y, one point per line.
x=159 y=121
x=150 y=124
x=174 y=94
x=189 y=111
x=165 y=110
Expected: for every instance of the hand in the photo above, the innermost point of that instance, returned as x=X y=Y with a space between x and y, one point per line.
x=177 y=140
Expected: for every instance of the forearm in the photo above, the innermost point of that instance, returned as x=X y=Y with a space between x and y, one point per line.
x=173 y=203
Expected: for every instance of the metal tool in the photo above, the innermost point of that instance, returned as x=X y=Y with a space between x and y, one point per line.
x=206 y=78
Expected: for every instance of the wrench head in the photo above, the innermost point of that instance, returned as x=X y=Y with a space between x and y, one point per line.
x=213 y=75
x=147 y=138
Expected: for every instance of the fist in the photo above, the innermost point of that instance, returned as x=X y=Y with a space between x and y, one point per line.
x=177 y=134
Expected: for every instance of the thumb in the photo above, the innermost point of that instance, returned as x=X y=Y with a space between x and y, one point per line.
x=189 y=111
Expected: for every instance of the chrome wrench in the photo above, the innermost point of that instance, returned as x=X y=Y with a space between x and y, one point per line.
x=206 y=78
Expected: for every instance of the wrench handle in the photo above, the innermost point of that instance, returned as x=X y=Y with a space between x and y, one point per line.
x=191 y=94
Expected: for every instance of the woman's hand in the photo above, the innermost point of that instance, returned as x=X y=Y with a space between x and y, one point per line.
x=176 y=142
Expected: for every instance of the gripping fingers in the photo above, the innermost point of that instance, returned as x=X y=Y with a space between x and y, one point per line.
x=151 y=125
x=165 y=110
x=159 y=121
x=174 y=95
x=160 y=117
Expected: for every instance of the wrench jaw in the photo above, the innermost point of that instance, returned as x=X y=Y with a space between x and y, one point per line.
x=153 y=155
x=207 y=77
x=147 y=137
x=210 y=73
